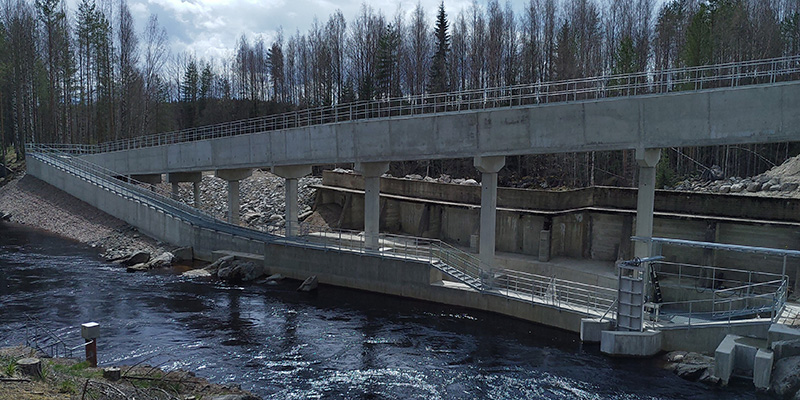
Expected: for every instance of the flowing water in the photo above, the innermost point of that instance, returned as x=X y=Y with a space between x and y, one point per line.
x=336 y=343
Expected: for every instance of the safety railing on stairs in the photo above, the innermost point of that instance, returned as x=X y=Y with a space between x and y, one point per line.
x=600 y=87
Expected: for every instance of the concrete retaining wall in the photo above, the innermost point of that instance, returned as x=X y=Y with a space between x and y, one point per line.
x=592 y=223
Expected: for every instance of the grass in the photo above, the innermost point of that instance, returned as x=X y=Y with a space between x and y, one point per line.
x=9 y=366
x=79 y=370
x=68 y=387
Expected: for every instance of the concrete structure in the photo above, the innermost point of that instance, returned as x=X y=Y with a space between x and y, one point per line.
x=489 y=167
x=233 y=176
x=748 y=114
x=592 y=329
x=762 y=369
x=585 y=224
x=372 y=203
x=373 y=271
x=645 y=199
x=291 y=174
x=194 y=177
x=631 y=344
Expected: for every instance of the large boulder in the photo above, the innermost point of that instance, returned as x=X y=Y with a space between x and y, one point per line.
x=240 y=271
x=786 y=348
x=139 y=257
x=163 y=261
x=692 y=366
x=222 y=262
x=183 y=254
x=786 y=378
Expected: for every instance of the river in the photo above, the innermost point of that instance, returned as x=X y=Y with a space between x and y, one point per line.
x=336 y=343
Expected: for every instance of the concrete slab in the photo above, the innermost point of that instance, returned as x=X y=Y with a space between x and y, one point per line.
x=724 y=358
x=630 y=344
x=592 y=329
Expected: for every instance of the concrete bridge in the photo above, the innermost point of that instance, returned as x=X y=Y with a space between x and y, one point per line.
x=751 y=102
x=754 y=102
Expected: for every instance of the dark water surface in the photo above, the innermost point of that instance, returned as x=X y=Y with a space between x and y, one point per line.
x=337 y=343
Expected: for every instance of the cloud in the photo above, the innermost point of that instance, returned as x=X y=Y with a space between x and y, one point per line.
x=211 y=28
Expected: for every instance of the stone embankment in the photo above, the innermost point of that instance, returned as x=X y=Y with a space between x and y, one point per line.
x=781 y=181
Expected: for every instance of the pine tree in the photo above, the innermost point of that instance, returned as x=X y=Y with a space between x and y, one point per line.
x=438 y=82
x=387 y=78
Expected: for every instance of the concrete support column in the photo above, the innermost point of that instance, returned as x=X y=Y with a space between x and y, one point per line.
x=193 y=177
x=291 y=173
x=645 y=198
x=488 y=166
x=196 y=192
x=372 y=200
x=233 y=176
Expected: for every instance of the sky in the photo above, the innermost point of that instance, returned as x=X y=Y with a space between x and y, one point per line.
x=210 y=29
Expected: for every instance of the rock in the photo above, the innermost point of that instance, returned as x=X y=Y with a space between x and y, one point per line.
x=196 y=273
x=737 y=188
x=789 y=187
x=140 y=257
x=274 y=277
x=414 y=177
x=786 y=348
x=183 y=254
x=692 y=366
x=785 y=377
x=309 y=284
x=138 y=268
x=252 y=216
x=245 y=271
x=223 y=262
x=5 y=216
x=725 y=189
x=762 y=179
x=471 y=182
x=163 y=261
x=753 y=187
x=774 y=188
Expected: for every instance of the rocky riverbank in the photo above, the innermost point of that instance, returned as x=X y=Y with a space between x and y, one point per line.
x=63 y=378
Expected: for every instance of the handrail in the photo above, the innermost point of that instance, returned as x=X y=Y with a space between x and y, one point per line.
x=623 y=85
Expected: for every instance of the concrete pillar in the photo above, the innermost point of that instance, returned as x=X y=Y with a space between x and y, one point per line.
x=196 y=191
x=488 y=166
x=372 y=201
x=645 y=198
x=233 y=176
x=193 y=177
x=291 y=173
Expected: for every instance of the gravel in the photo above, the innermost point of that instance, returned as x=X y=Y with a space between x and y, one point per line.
x=33 y=202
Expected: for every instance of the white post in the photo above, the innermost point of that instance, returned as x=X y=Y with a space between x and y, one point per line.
x=233 y=176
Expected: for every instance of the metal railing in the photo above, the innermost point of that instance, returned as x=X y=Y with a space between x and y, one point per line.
x=600 y=87
x=719 y=294
x=590 y=300
x=39 y=337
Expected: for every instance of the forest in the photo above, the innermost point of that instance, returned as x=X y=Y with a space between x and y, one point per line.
x=86 y=75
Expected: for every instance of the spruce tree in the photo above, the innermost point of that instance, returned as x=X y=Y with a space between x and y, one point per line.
x=438 y=82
